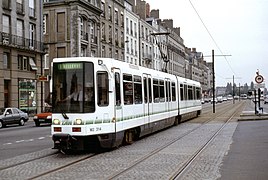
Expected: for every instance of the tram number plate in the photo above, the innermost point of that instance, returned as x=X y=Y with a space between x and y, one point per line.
x=95 y=129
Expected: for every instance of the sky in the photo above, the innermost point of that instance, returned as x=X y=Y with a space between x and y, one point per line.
x=238 y=28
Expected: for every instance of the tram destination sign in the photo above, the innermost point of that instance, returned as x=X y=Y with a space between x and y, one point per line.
x=65 y=66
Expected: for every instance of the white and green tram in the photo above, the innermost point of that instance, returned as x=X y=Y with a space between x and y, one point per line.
x=119 y=103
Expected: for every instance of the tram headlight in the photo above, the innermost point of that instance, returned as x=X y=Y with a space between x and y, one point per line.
x=78 y=122
x=56 y=121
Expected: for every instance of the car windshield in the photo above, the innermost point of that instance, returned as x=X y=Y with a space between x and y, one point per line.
x=2 y=110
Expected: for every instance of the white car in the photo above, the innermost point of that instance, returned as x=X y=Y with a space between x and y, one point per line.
x=265 y=101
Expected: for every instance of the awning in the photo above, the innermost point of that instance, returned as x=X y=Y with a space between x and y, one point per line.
x=33 y=65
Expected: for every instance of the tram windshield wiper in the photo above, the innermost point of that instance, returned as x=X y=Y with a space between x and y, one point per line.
x=62 y=112
x=64 y=115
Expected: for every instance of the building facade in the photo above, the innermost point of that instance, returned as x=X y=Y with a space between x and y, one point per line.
x=71 y=29
x=21 y=52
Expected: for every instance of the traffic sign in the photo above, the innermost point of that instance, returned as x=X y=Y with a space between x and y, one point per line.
x=259 y=79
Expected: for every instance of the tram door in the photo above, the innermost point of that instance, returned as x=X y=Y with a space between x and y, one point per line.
x=118 y=100
x=168 y=95
x=147 y=99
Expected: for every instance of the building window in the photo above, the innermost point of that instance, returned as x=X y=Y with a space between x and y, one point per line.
x=6 y=4
x=47 y=64
x=103 y=51
x=110 y=13
x=83 y=51
x=60 y=22
x=103 y=31
x=6 y=60
x=110 y=34
x=20 y=32
x=23 y=63
x=31 y=8
x=103 y=8
x=31 y=35
x=122 y=19
x=45 y=17
x=19 y=7
x=116 y=16
x=6 y=24
x=110 y=53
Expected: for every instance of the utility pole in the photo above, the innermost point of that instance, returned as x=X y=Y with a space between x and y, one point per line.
x=213 y=78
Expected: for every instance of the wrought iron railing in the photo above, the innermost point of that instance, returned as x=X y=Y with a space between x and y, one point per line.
x=11 y=40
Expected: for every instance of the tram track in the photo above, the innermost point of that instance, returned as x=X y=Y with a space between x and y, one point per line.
x=179 y=172
x=74 y=160
x=188 y=162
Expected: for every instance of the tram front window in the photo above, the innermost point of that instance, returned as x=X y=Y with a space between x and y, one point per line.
x=73 y=87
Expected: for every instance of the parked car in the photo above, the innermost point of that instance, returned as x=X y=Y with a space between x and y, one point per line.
x=219 y=99
x=44 y=117
x=12 y=116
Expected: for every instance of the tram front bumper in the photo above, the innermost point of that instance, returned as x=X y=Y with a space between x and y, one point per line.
x=63 y=141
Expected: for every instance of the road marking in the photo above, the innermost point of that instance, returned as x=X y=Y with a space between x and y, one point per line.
x=28 y=140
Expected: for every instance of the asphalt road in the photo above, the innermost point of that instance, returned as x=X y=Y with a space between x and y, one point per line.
x=17 y=140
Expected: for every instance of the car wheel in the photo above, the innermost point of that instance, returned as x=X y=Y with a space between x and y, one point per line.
x=37 y=123
x=1 y=124
x=21 y=123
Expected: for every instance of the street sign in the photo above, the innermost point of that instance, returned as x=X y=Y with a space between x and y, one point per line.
x=259 y=79
x=42 y=78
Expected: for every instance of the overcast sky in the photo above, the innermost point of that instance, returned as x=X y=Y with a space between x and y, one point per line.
x=239 y=28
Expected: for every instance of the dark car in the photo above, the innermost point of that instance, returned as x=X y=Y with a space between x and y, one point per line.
x=44 y=117
x=12 y=116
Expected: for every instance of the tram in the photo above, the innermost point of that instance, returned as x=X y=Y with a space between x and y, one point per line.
x=117 y=102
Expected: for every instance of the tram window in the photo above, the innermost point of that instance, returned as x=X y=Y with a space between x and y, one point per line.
x=117 y=89
x=185 y=92
x=150 y=89
x=128 y=89
x=194 y=93
x=167 y=91
x=190 y=92
x=198 y=93
x=181 y=92
x=156 y=90
x=137 y=90
x=145 y=90
x=161 y=91
x=173 y=91
x=89 y=105
x=103 y=88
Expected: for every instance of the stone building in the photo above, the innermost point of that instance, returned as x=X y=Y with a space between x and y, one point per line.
x=21 y=54
x=71 y=29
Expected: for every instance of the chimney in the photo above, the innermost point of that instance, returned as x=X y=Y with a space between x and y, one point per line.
x=177 y=30
x=168 y=23
x=155 y=13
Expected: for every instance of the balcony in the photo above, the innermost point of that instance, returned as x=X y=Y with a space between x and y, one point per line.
x=84 y=36
x=20 y=42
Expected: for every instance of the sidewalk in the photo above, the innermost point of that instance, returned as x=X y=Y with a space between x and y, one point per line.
x=247 y=158
x=249 y=113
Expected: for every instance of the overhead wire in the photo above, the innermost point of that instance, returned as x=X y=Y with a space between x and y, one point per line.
x=211 y=36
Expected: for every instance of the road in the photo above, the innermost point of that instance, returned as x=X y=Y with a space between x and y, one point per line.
x=18 y=140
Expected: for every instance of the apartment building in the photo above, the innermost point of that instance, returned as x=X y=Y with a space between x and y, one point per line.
x=112 y=29
x=21 y=53
x=71 y=29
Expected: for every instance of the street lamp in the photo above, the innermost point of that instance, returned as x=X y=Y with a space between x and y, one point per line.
x=163 y=56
